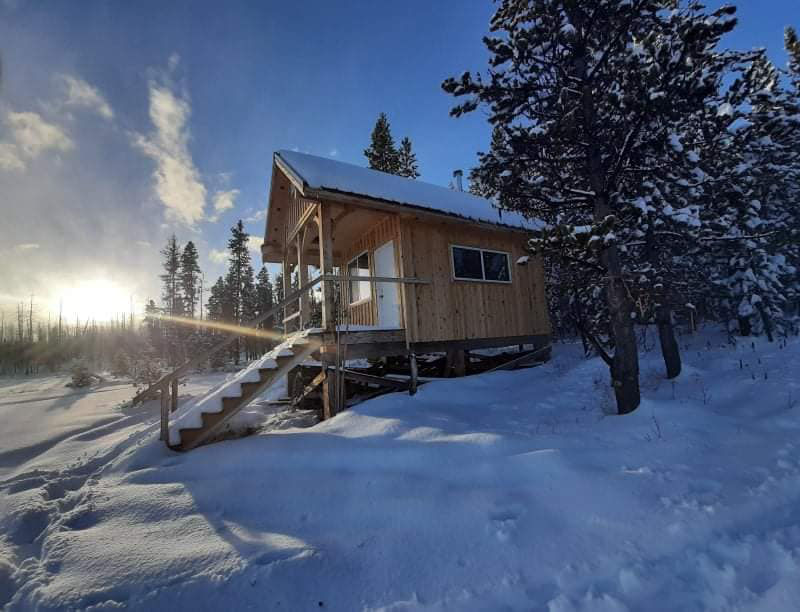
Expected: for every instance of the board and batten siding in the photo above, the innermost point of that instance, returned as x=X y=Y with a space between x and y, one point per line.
x=449 y=309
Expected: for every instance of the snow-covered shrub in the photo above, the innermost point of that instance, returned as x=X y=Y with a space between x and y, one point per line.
x=81 y=376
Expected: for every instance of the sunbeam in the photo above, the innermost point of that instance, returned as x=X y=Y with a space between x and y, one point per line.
x=220 y=326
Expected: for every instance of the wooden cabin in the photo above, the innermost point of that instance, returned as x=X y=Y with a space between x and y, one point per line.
x=403 y=268
x=463 y=278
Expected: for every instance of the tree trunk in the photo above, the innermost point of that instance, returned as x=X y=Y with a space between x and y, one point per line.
x=766 y=321
x=625 y=363
x=669 y=345
x=745 y=327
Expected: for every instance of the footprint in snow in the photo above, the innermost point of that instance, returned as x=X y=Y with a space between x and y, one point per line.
x=503 y=522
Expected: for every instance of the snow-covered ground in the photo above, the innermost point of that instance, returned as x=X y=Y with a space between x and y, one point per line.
x=505 y=491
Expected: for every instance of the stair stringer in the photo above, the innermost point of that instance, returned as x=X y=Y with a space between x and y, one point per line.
x=302 y=351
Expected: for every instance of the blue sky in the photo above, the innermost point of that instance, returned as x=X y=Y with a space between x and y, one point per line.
x=203 y=93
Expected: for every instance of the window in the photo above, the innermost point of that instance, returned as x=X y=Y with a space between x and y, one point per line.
x=480 y=264
x=359 y=290
x=495 y=266
x=467 y=263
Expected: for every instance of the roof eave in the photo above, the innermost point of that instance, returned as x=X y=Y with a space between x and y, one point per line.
x=333 y=194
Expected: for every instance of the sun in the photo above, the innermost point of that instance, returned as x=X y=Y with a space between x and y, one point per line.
x=98 y=299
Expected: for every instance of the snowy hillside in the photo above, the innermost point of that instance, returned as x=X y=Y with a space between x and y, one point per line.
x=510 y=490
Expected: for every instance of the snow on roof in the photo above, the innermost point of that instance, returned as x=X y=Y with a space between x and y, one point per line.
x=331 y=175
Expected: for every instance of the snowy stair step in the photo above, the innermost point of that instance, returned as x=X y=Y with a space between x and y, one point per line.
x=214 y=410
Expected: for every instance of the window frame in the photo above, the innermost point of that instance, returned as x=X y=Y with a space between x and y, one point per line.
x=368 y=297
x=481 y=250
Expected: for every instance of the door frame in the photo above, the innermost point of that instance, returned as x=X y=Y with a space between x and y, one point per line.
x=395 y=287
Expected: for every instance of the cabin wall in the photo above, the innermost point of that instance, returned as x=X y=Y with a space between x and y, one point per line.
x=449 y=309
x=365 y=312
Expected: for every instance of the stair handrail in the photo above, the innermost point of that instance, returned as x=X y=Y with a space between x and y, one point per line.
x=165 y=380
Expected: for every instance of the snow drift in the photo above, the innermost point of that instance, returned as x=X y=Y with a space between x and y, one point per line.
x=510 y=490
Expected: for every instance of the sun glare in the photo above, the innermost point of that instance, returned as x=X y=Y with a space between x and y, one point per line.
x=98 y=299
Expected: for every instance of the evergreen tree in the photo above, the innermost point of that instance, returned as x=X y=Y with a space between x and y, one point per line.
x=190 y=277
x=170 y=279
x=792 y=141
x=382 y=154
x=238 y=266
x=154 y=327
x=239 y=279
x=278 y=288
x=407 y=160
x=591 y=99
x=171 y=296
x=215 y=307
x=264 y=296
x=792 y=44
x=750 y=217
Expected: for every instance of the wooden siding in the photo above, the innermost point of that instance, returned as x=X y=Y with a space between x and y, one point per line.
x=365 y=312
x=298 y=207
x=448 y=309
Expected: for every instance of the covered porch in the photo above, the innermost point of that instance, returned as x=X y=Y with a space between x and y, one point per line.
x=357 y=252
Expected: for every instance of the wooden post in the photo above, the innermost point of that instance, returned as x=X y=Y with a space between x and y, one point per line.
x=330 y=394
x=455 y=363
x=174 y=395
x=325 y=223
x=164 y=391
x=287 y=285
x=412 y=384
x=302 y=279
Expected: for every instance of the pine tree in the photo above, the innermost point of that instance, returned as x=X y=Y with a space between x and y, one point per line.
x=215 y=307
x=239 y=279
x=190 y=277
x=382 y=154
x=751 y=217
x=407 y=160
x=591 y=99
x=277 y=288
x=792 y=140
x=170 y=279
x=264 y=296
x=792 y=44
x=171 y=295
x=154 y=327
x=238 y=264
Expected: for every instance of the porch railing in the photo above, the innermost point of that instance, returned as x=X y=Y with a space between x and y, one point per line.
x=167 y=385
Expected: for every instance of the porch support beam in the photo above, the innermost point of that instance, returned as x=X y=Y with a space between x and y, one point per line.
x=325 y=225
x=302 y=279
x=287 y=284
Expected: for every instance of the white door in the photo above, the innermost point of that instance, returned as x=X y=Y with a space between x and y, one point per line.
x=388 y=293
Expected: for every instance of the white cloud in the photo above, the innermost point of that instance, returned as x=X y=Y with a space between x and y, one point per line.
x=10 y=157
x=254 y=244
x=257 y=216
x=223 y=200
x=26 y=246
x=79 y=93
x=334 y=152
x=177 y=180
x=218 y=256
x=33 y=135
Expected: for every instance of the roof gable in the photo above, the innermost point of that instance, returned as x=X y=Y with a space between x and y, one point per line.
x=320 y=173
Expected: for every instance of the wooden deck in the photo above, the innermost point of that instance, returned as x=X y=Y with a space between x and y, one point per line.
x=374 y=343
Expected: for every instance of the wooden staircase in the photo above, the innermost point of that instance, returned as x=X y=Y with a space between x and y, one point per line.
x=238 y=394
